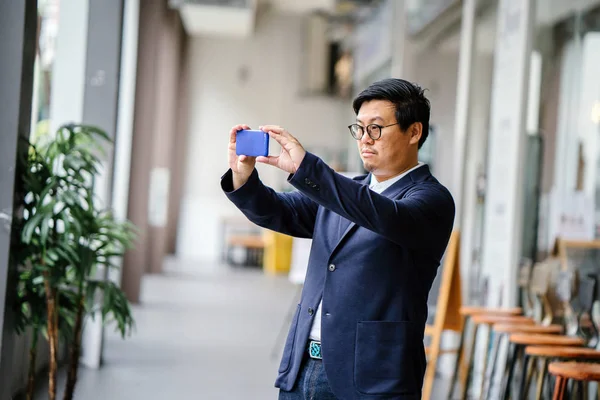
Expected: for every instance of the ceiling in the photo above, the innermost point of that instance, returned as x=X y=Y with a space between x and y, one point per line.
x=237 y=18
x=485 y=35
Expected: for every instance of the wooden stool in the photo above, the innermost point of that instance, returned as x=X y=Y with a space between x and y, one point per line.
x=582 y=372
x=485 y=319
x=545 y=353
x=501 y=331
x=521 y=340
x=467 y=312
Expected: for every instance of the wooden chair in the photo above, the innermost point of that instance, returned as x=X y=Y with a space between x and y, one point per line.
x=576 y=371
x=468 y=312
x=538 y=289
x=502 y=331
x=586 y=292
x=522 y=340
x=489 y=321
x=555 y=353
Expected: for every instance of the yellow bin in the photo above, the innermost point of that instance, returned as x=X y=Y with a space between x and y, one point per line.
x=278 y=253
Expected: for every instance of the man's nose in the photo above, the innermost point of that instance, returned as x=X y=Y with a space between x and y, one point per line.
x=366 y=139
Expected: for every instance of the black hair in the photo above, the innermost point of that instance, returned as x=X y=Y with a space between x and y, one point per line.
x=408 y=98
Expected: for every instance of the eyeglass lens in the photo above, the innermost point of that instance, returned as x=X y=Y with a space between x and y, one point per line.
x=374 y=131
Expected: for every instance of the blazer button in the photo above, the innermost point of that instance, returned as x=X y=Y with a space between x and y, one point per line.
x=308 y=181
x=311 y=311
x=331 y=267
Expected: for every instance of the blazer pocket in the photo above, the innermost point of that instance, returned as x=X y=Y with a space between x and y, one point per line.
x=288 y=349
x=386 y=359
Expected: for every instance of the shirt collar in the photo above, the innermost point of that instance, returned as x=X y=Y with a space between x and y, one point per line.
x=381 y=186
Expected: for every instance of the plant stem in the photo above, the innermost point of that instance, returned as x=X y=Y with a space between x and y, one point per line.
x=32 y=362
x=75 y=348
x=52 y=335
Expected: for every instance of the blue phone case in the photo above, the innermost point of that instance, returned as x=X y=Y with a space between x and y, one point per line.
x=252 y=143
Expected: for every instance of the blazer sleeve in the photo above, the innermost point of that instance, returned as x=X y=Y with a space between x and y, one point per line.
x=425 y=213
x=292 y=214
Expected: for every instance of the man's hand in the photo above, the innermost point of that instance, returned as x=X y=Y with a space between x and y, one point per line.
x=241 y=166
x=292 y=152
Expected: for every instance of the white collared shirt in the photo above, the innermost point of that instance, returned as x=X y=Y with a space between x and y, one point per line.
x=378 y=187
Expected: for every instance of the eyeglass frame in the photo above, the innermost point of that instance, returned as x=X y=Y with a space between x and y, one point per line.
x=368 y=129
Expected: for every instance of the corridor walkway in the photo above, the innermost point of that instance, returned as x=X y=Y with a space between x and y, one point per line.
x=201 y=333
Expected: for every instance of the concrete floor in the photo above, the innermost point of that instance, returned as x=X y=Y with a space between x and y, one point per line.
x=201 y=333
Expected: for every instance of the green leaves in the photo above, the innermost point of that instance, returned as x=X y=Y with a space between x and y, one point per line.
x=66 y=235
x=114 y=306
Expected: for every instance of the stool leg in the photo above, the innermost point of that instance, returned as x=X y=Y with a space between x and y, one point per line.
x=541 y=378
x=485 y=360
x=465 y=386
x=511 y=371
x=525 y=379
x=495 y=351
x=459 y=358
x=559 y=388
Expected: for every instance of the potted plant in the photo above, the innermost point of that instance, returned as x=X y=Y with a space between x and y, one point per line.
x=66 y=238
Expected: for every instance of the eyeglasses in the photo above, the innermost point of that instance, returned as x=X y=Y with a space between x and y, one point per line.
x=357 y=131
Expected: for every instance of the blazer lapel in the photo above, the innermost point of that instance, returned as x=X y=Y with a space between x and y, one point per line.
x=346 y=226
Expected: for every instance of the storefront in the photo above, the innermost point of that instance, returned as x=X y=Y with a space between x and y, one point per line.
x=556 y=146
x=570 y=125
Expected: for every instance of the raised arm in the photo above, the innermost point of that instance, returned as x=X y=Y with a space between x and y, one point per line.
x=293 y=214
x=290 y=213
x=425 y=213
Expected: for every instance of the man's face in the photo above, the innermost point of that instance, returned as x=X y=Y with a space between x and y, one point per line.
x=389 y=155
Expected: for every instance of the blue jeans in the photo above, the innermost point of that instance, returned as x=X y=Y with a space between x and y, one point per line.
x=311 y=383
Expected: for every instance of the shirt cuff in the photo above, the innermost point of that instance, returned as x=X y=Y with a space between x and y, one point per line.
x=243 y=191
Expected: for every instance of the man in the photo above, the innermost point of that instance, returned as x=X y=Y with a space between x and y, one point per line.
x=377 y=243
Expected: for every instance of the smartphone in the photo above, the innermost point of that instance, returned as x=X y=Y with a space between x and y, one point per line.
x=252 y=143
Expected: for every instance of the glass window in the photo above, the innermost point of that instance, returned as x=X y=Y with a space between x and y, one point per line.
x=48 y=11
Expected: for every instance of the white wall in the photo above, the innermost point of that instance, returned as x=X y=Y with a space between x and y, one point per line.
x=220 y=98
x=437 y=72
x=68 y=70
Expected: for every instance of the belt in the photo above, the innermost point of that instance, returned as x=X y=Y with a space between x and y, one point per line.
x=314 y=350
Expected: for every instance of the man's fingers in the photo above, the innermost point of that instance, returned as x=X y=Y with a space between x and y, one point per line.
x=274 y=128
x=246 y=159
x=277 y=130
x=282 y=140
x=271 y=160
x=233 y=132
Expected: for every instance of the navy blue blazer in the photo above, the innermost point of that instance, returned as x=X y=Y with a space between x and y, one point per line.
x=373 y=260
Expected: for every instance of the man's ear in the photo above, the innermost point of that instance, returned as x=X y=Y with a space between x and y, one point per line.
x=415 y=131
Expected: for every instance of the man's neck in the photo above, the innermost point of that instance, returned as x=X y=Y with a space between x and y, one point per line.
x=383 y=178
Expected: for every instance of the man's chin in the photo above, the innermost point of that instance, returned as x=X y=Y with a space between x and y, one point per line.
x=368 y=166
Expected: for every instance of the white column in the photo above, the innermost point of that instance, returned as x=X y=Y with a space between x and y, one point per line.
x=504 y=200
x=461 y=124
x=126 y=109
x=115 y=191
x=398 y=38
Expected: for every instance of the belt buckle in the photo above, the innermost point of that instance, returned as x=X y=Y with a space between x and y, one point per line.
x=314 y=350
